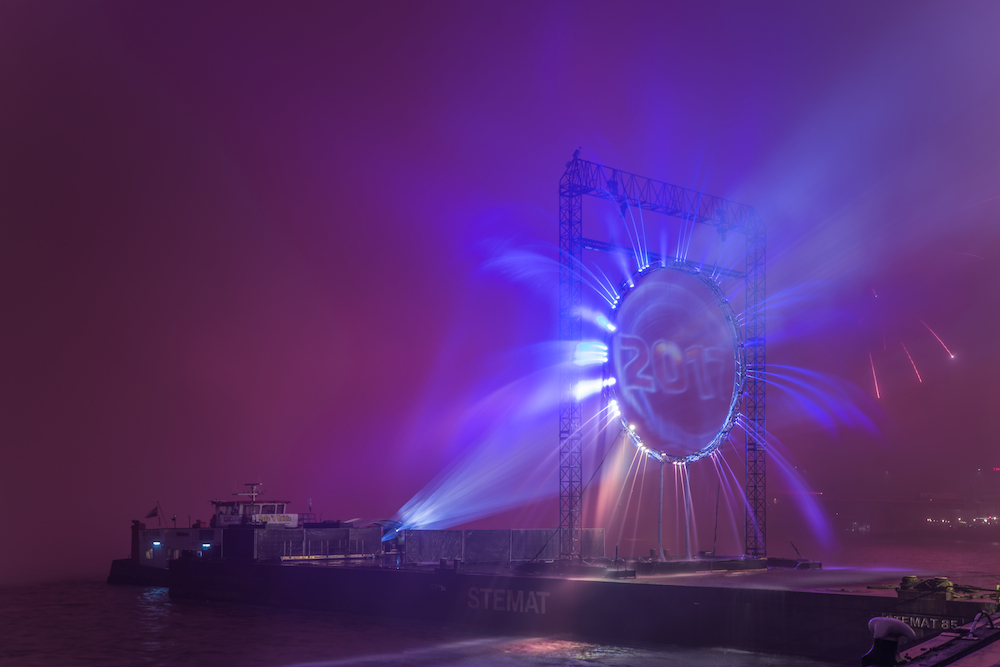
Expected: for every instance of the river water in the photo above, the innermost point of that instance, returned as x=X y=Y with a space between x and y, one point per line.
x=92 y=623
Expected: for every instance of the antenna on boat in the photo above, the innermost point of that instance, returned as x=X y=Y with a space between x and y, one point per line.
x=253 y=492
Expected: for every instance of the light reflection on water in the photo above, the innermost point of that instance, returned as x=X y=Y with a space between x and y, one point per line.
x=561 y=652
x=152 y=607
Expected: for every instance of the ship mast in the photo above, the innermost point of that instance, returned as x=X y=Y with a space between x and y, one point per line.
x=253 y=493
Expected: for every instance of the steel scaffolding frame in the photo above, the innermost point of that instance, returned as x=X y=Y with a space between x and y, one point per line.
x=589 y=178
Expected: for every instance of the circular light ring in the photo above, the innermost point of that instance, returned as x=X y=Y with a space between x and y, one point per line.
x=713 y=443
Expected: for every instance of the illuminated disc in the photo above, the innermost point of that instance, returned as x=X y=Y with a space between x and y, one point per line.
x=674 y=356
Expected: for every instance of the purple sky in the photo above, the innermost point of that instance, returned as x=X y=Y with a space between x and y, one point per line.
x=247 y=241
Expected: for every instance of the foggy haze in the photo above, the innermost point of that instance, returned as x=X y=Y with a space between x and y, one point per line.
x=247 y=241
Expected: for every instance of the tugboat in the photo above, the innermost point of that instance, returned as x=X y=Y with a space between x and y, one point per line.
x=153 y=549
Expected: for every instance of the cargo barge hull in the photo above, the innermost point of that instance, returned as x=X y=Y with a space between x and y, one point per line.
x=822 y=625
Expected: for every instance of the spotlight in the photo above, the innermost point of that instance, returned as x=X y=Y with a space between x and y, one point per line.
x=590 y=353
x=586 y=388
x=603 y=322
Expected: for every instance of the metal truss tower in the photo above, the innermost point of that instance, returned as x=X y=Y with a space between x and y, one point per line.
x=570 y=329
x=754 y=400
x=588 y=178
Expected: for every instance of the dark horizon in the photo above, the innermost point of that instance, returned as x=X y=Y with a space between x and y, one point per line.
x=248 y=242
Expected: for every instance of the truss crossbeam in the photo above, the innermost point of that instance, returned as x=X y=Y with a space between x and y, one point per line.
x=632 y=190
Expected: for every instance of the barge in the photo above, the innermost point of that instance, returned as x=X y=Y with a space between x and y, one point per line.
x=818 y=614
x=511 y=582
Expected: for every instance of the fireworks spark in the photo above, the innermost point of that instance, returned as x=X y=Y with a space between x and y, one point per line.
x=874 y=377
x=911 y=363
x=938 y=339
